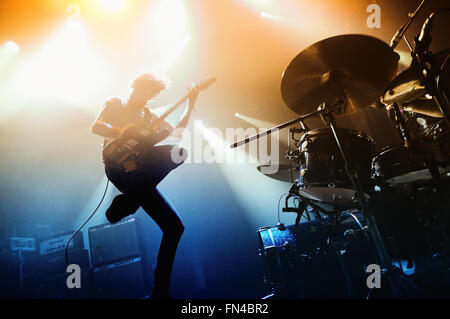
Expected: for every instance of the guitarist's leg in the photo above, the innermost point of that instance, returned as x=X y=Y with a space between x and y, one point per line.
x=158 y=162
x=172 y=227
x=124 y=204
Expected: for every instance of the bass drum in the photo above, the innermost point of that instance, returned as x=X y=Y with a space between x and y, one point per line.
x=323 y=177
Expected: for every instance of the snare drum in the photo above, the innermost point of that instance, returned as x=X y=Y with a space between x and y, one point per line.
x=322 y=171
x=430 y=148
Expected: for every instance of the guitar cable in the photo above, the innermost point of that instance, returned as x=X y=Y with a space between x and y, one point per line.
x=87 y=220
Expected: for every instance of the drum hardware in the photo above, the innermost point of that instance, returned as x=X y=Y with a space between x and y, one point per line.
x=322 y=177
x=326 y=109
x=400 y=33
x=276 y=128
x=299 y=249
x=328 y=75
x=430 y=72
x=382 y=254
x=400 y=166
x=401 y=125
x=408 y=90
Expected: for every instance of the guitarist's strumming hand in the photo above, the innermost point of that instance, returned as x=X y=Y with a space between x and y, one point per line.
x=128 y=131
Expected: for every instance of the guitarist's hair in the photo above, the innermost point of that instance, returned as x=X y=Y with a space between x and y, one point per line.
x=148 y=80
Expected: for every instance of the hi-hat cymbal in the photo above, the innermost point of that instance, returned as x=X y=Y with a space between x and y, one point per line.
x=408 y=90
x=357 y=67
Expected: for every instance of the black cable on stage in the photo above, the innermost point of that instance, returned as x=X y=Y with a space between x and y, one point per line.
x=87 y=220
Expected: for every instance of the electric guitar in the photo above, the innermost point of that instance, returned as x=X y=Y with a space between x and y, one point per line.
x=143 y=135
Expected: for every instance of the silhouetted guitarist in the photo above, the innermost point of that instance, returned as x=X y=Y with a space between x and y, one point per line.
x=137 y=176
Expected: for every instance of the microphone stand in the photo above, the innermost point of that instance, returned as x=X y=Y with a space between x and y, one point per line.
x=398 y=36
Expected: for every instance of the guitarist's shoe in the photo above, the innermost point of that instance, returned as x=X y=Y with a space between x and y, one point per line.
x=122 y=206
x=158 y=293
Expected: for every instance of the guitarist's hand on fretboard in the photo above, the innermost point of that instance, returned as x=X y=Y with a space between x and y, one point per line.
x=192 y=96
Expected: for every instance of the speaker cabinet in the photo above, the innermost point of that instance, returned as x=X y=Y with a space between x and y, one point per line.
x=112 y=243
x=124 y=279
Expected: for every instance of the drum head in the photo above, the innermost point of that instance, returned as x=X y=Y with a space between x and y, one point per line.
x=420 y=176
x=402 y=166
x=332 y=195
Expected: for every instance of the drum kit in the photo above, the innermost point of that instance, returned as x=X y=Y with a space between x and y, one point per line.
x=340 y=169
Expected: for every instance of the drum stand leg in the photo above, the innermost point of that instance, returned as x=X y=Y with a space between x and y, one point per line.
x=401 y=125
x=391 y=273
x=333 y=243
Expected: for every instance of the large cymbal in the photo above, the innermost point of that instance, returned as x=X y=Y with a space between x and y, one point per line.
x=358 y=67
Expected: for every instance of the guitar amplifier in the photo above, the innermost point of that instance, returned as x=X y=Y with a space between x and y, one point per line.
x=125 y=279
x=111 y=243
x=55 y=263
x=22 y=244
x=55 y=286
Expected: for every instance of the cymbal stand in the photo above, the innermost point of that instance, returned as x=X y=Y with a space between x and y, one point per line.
x=429 y=70
x=383 y=257
x=401 y=125
x=353 y=175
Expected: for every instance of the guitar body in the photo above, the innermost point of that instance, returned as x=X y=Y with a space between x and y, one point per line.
x=130 y=148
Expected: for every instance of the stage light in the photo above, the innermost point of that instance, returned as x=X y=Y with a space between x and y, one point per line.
x=8 y=51
x=169 y=21
x=236 y=115
x=255 y=121
x=11 y=47
x=274 y=17
x=234 y=170
x=113 y=5
x=263 y=5
x=64 y=68
x=165 y=34
x=173 y=54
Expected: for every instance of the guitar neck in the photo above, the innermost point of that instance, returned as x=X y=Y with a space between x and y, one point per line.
x=174 y=106
x=199 y=85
